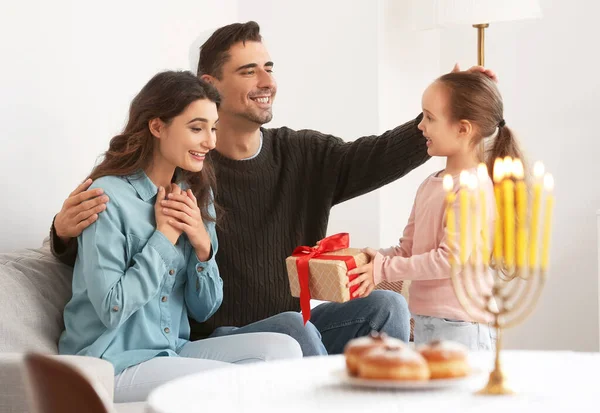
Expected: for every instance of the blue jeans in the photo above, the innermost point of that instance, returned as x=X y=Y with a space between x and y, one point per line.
x=332 y=325
x=475 y=336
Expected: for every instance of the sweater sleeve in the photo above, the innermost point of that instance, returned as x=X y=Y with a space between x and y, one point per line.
x=66 y=253
x=354 y=168
x=432 y=265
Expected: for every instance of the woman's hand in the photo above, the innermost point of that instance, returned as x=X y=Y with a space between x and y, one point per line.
x=184 y=215
x=162 y=219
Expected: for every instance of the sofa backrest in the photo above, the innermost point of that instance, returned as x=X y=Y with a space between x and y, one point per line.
x=34 y=289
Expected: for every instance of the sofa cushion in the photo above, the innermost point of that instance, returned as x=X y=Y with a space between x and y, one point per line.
x=34 y=289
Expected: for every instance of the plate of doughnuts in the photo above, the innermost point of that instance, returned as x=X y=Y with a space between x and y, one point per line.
x=378 y=361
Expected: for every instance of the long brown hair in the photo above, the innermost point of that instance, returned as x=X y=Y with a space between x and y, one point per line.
x=165 y=96
x=476 y=98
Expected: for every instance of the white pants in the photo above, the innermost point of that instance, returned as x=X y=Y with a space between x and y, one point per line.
x=136 y=382
x=475 y=336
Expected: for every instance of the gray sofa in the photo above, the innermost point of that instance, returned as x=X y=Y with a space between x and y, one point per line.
x=34 y=288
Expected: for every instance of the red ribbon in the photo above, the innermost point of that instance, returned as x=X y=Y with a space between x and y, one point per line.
x=305 y=254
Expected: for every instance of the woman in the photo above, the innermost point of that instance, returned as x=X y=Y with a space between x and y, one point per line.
x=149 y=260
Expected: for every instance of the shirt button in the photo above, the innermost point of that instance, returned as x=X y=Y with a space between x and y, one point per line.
x=164 y=298
x=171 y=272
x=115 y=308
x=167 y=330
x=200 y=268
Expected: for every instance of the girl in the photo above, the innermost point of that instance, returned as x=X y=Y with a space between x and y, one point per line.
x=461 y=111
x=149 y=260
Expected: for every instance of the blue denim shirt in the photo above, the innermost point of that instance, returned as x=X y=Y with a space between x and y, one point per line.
x=132 y=289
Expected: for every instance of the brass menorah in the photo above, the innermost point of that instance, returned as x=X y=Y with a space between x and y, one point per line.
x=505 y=285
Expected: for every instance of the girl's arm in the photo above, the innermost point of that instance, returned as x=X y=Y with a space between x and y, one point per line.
x=431 y=265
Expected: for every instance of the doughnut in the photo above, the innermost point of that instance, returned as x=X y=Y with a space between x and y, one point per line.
x=446 y=359
x=393 y=363
x=355 y=348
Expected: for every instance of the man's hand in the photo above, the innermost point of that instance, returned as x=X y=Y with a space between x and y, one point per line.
x=185 y=216
x=481 y=69
x=365 y=276
x=79 y=211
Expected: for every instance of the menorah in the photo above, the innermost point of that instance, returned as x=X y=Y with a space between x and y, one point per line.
x=503 y=285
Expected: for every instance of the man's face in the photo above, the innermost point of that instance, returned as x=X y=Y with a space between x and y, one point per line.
x=247 y=86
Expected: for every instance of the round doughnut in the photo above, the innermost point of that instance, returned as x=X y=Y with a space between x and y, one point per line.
x=446 y=359
x=393 y=363
x=356 y=347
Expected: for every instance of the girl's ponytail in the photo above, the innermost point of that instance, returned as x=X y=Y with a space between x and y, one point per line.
x=504 y=144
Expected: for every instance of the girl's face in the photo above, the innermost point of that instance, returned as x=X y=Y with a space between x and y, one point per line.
x=444 y=136
x=185 y=141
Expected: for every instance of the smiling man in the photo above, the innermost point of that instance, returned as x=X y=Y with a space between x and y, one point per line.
x=276 y=188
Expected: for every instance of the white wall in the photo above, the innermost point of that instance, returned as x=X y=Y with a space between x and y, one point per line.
x=69 y=70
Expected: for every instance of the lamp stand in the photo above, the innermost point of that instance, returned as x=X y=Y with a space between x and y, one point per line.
x=480 y=42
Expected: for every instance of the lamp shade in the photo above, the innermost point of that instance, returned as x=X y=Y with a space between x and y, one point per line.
x=429 y=14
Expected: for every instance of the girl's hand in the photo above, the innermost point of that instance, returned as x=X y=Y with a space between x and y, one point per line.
x=365 y=276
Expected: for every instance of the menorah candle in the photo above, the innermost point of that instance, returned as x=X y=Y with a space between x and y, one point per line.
x=508 y=196
x=482 y=174
x=464 y=215
x=521 y=212
x=548 y=186
x=448 y=183
x=474 y=217
x=538 y=174
x=498 y=177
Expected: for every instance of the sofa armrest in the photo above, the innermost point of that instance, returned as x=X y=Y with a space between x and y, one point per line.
x=13 y=393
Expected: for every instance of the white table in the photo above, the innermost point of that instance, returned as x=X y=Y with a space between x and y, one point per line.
x=544 y=382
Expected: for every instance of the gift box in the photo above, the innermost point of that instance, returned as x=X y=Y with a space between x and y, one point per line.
x=320 y=272
x=327 y=277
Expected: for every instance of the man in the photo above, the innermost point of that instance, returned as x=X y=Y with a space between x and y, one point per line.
x=277 y=187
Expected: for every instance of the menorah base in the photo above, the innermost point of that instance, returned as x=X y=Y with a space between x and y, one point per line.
x=496 y=385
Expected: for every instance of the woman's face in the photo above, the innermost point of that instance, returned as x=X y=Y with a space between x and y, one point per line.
x=185 y=141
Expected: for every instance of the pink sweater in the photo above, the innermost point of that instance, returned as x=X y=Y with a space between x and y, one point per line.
x=422 y=255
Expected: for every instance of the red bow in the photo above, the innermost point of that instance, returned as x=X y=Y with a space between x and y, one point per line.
x=305 y=254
